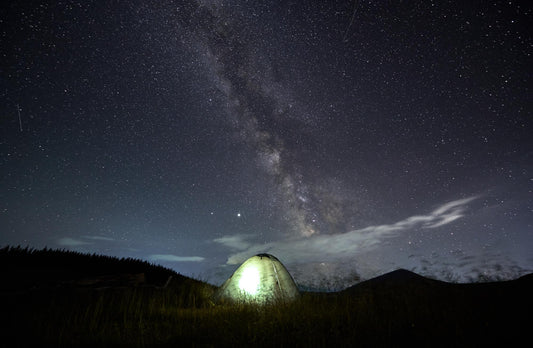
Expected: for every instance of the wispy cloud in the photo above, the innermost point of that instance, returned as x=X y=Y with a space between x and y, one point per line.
x=235 y=242
x=71 y=242
x=326 y=248
x=175 y=258
x=448 y=212
x=82 y=240
x=99 y=238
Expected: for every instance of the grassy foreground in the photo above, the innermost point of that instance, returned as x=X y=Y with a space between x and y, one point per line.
x=398 y=310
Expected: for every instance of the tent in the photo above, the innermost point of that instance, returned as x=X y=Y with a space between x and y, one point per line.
x=261 y=279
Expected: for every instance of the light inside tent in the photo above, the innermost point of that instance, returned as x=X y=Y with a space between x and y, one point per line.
x=261 y=279
x=249 y=281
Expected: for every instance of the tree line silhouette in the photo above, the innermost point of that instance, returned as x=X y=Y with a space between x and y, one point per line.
x=29 y=267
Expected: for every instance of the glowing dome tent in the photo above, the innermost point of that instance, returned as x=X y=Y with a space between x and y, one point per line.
x=260 y=279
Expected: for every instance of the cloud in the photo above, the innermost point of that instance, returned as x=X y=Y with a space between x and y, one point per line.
x=83 y=240
x=71 y=242
x=448 y=212
x=99 y=238
x=175 y=258
x=336 y=247
x=486 y=265
x=235 y=242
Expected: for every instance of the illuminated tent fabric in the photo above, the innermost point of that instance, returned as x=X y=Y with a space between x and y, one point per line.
x=260 y=279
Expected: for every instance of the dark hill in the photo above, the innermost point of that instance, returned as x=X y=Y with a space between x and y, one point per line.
x=423 y=307
x=400 y=277
x=528 y=278
x=410 y=286
x=25 y=268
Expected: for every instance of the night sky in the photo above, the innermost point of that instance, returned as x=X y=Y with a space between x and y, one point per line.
x=347 y=138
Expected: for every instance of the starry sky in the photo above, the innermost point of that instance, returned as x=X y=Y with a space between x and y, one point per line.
x=347 y=138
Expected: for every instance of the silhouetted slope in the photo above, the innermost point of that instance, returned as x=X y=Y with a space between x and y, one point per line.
x=422 y=308
x=400 y=277
x=26 y=268
x=527 y=279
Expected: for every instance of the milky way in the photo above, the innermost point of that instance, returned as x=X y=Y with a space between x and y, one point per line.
x=347 y=138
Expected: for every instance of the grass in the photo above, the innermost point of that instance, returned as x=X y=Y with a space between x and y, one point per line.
x=380 y=314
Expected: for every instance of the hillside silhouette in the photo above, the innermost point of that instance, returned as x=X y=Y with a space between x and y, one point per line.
x=26 y=268
x=63 y=298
